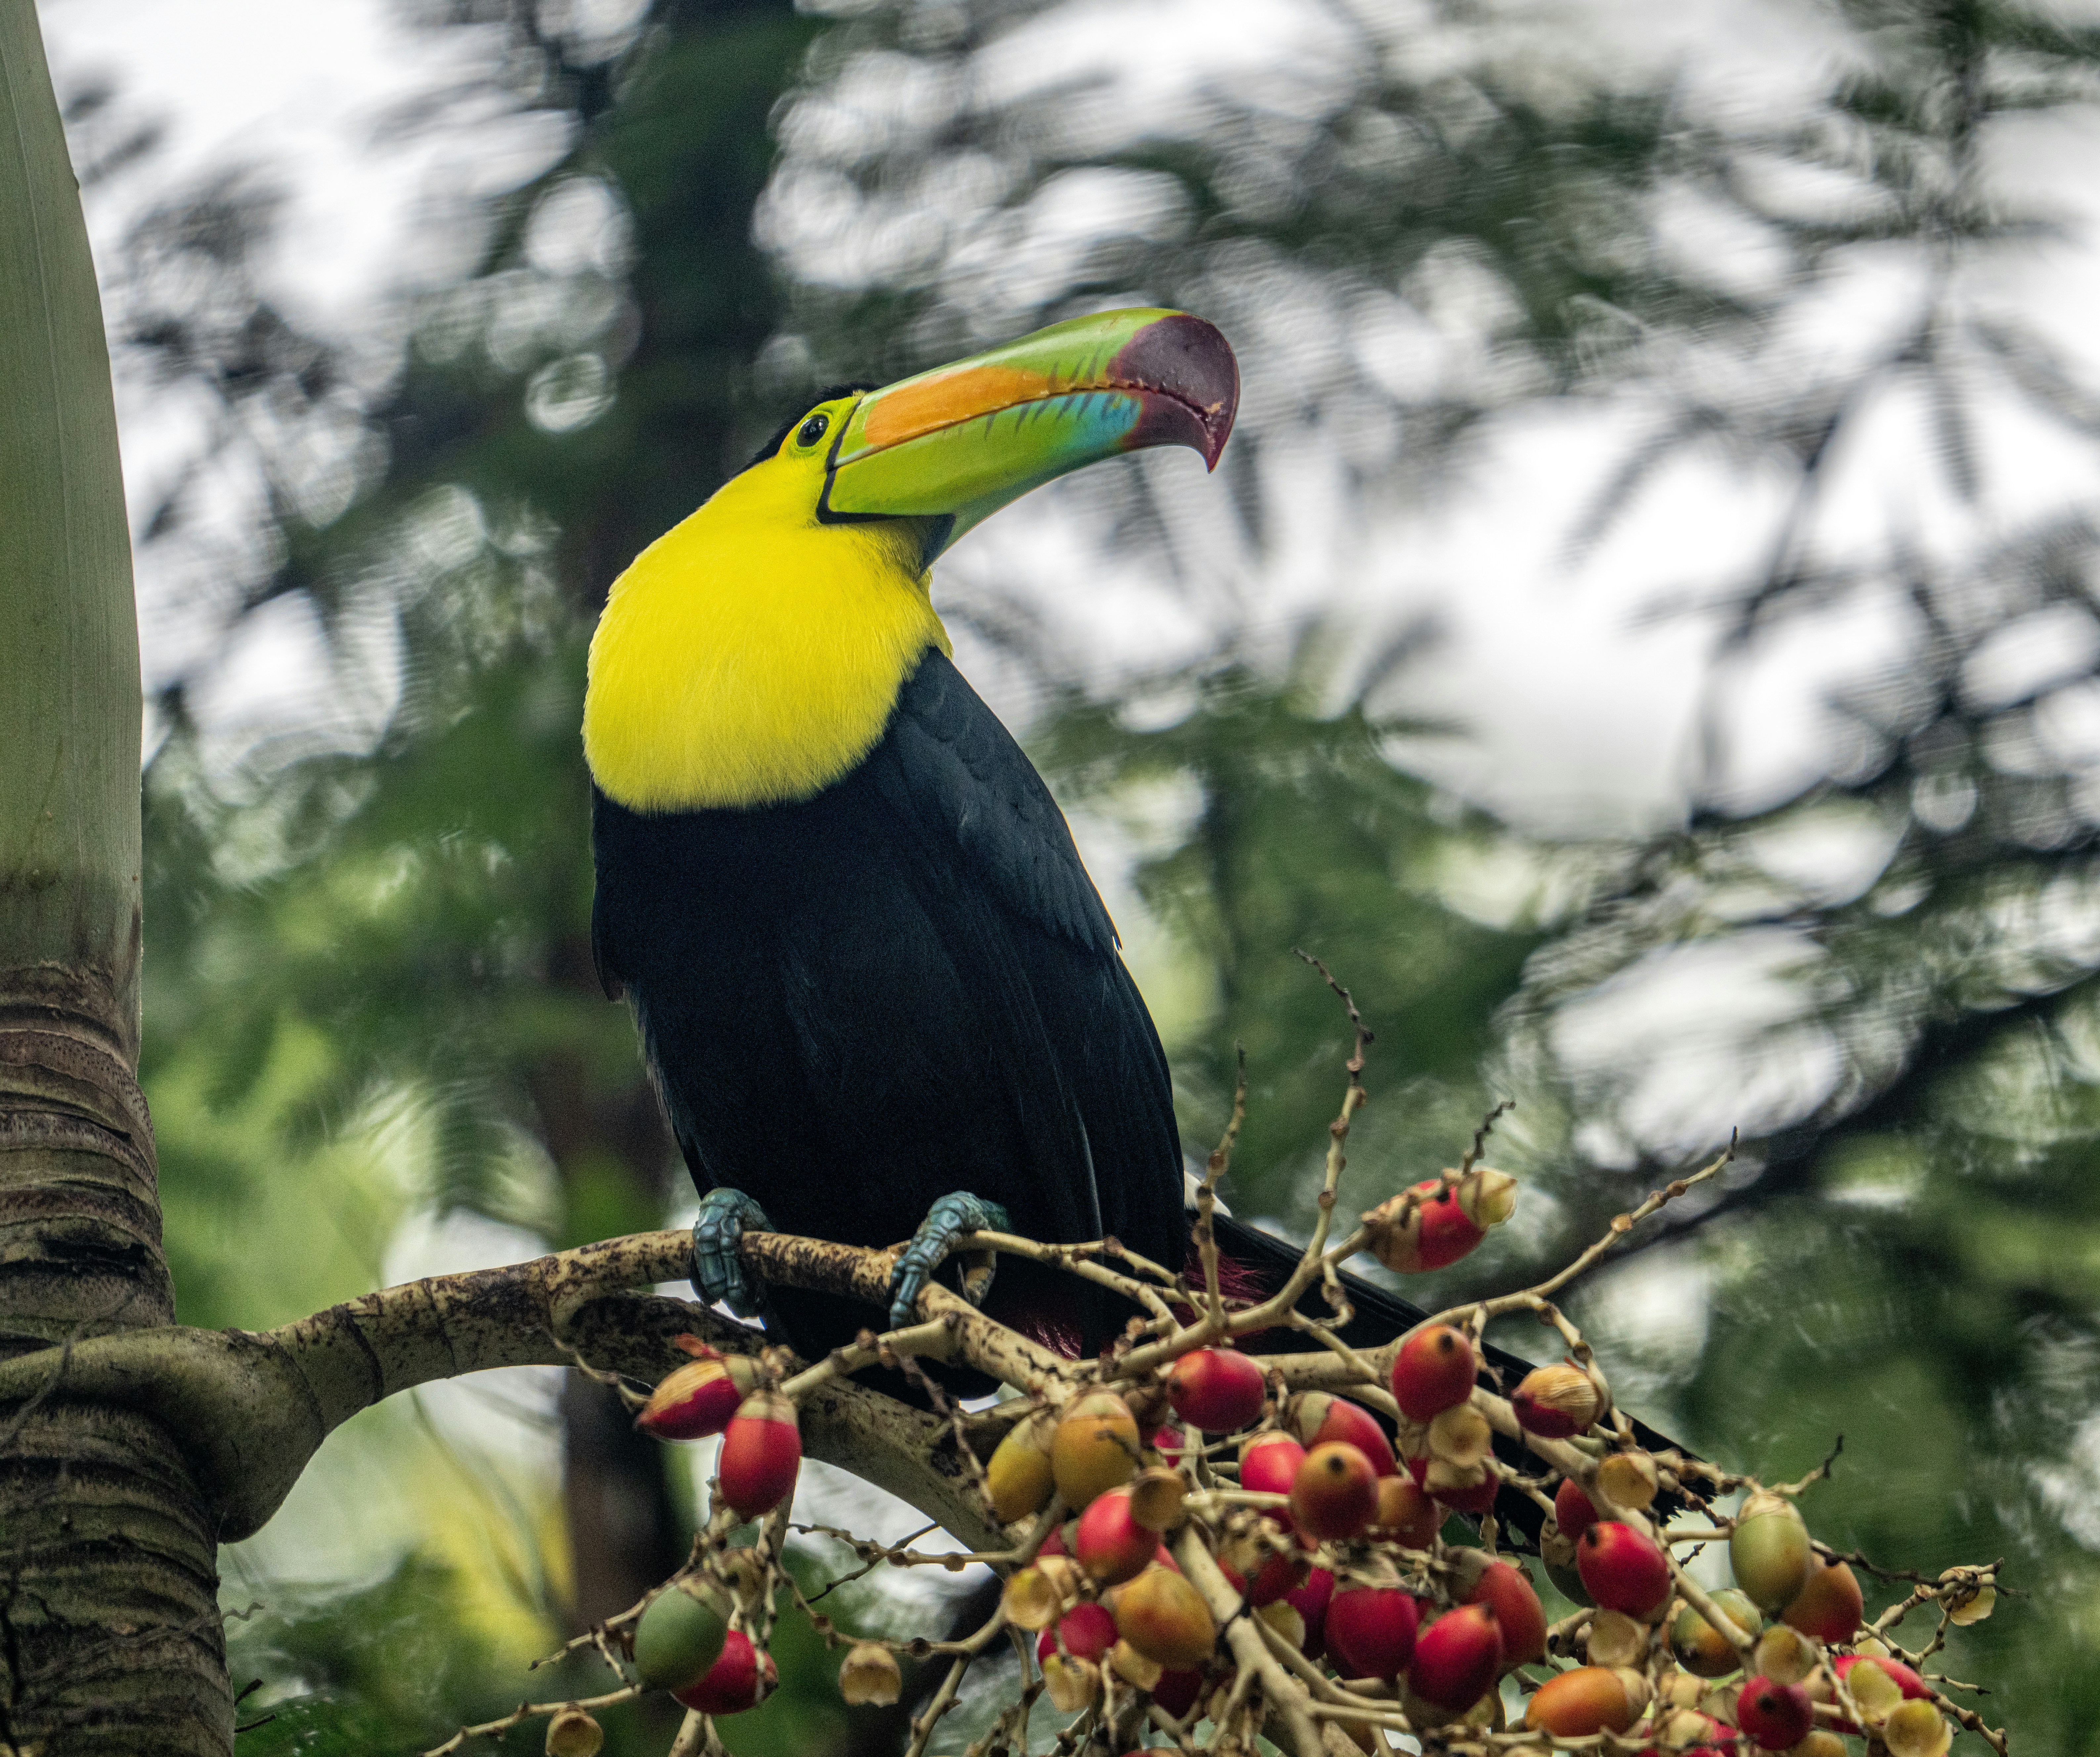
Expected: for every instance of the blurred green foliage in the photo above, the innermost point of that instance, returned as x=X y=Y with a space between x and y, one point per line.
x=1290 y=830
x=369 y=991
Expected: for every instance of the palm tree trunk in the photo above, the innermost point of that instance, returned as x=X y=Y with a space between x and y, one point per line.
x=110 y=1637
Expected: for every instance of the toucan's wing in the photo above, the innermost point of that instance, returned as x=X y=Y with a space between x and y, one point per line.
x=949 y=767
x=960 y=776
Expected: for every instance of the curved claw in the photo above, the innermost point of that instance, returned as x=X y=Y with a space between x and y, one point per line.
x=946 y=1221
x=718 y=1269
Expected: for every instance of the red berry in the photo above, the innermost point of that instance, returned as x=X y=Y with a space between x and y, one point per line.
x=1216 y=1389
x=1280 y=1575
x=1448 y=1233
x=1777 y=1715
x=1086 y=1631
x=1318 y=1417
x=1177 y=1691
x=695 y=1400
x=736 y=1681
x=1334 y=1493
x=762 y=1451
x=1269 y=1465
x=1433 y=1371
x=1170 y=1441
x=1573 y=1510
x=1503 y=1587
x=1425 y=1227
x=1310 y=1601
x=1623 y=1570
x=1457 y=1658
x=1370 y=1630
x=1110 y=1545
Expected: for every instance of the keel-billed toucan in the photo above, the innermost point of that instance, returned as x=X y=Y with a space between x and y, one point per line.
x=874 y=981
x=875 y=986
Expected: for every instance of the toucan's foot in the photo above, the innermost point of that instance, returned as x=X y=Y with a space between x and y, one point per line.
x=946 y=1221
x=718 y=1269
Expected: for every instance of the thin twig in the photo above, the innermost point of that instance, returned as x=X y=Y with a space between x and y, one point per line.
x=1472 y=1154
x=525 y=1712
x=1204 y=1231
x=1621 y=1225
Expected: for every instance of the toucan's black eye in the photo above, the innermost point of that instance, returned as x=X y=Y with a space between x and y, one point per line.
x=812 y=430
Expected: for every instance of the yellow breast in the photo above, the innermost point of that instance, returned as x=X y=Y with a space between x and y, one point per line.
x=750 y=655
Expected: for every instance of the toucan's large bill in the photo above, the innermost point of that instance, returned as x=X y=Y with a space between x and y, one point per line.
x=959 y=442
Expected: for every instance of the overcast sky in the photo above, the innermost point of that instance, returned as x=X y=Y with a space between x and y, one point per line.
x=1583 y=715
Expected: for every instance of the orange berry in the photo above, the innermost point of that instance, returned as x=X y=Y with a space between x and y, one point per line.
x=1572 y=1704
x=1018 y=1474
x=1702 y=1649
x=1829 y=1606
x=1334 y=1493
x=1094 y=1448
x=1165 y=1619
x=1405 y=1514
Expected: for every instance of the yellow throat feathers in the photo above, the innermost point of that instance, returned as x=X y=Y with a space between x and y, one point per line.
x=750 y=655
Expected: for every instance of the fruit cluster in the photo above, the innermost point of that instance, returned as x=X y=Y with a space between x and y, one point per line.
x=1204 y=1547
x=1328 y=1534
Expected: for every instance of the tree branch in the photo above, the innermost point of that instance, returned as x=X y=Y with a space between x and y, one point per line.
x=250 y=1409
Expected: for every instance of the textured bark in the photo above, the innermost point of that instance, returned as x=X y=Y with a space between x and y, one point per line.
x=110 y=1638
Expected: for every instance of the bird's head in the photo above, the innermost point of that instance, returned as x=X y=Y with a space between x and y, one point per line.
x=946 y=448
x=750 y=654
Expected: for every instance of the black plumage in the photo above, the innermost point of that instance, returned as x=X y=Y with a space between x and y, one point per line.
x=906 y=986
x=902 y=987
